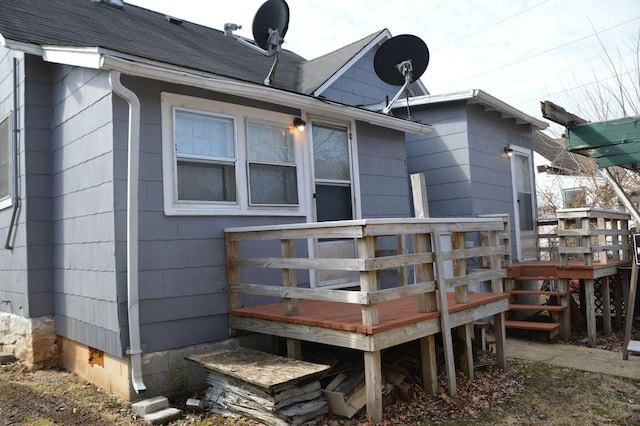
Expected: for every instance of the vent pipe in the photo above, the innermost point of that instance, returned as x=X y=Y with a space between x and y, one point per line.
x=118 y=4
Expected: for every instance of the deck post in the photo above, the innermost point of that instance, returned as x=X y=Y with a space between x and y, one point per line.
x=429 y=364
x=565 y=316
x=606 y=305
x=465 y=332
x=445 y=323
x=373 y=383
x=618 y=283
x=287 y=249
x=368 y=279
x=500 y=335
x=460 y=267
x=233 y=277
x=590 y=303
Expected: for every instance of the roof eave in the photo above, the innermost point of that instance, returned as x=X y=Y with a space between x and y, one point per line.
x=97 y=58
x=303 y=102
x=488 y=102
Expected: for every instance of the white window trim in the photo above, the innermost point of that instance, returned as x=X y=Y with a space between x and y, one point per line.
x=8 y=201
x=240 y=114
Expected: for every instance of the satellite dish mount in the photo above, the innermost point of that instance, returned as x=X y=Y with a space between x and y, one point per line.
x=270 y=25
x=406 y=69
x=400 y=61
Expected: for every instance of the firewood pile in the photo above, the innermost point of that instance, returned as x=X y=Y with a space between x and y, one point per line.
x=273 y=390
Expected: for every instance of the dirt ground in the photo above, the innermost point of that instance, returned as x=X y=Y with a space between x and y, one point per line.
x=527 y=394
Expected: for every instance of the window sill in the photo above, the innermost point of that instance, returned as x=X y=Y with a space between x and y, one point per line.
x=190 y=210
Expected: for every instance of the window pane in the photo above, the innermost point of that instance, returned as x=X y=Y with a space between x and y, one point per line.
x=330 y=152
x=206 y=182
x=268 y=143
x=5 y=160
x=333 y=203
x=204 y=135
x=273 y=184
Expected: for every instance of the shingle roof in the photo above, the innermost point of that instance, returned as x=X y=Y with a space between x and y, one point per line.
x=142 y=33
x=317 y=71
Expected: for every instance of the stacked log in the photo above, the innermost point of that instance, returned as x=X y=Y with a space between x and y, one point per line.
x=274 y=390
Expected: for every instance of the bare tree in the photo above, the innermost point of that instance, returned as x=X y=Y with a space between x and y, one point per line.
x=612 y=96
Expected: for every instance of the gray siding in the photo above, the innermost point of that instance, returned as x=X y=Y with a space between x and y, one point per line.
x=182 y=281
x=443 y=157
x=83 y=206
x=37 y=198
x=384 y=183
x=14 y=279
x=489 y=133
x=360 y=85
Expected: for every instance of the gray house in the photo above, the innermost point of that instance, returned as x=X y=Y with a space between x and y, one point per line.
x=478 y=160
x=130 y=140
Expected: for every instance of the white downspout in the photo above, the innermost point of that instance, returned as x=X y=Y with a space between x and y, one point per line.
x=134 y=349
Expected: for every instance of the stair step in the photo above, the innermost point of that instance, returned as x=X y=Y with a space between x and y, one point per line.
x=550 y=308
x=536 y=293
x=533 y=278
x=532 y=325
x=150 y=405
x=163 y=416
x=633 y=347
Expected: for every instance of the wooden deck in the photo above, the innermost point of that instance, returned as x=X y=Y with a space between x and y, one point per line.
x=584 y=244
x=425 y=290
x=340 y=324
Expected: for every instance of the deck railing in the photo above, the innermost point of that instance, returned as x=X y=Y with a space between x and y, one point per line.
x=585 y=234
x=430 y=255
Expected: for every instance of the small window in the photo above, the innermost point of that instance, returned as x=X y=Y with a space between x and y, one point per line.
x=5 y=162
x=271 y=165
x=205 y=157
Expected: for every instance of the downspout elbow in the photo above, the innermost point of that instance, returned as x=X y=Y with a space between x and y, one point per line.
x=132 y=229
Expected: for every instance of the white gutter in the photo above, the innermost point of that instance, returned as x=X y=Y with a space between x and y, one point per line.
x=134 y=349
x=309 y=104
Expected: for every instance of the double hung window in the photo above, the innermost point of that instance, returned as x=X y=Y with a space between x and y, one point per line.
x=222 y=158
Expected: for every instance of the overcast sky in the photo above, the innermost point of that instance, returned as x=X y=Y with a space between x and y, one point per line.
x=520 y=51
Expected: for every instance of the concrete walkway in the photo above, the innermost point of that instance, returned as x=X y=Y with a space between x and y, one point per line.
x=578 y=357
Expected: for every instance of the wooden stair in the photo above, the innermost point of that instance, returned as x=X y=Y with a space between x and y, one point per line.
x=553 y=303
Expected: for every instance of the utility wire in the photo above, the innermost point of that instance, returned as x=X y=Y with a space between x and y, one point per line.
x=539 y=53
x=492 y=25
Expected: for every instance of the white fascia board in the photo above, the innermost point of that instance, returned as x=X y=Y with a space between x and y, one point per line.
x=306 y=103
x=86 y=57
x=471 y=96
x=32 y=49
x=384 y=35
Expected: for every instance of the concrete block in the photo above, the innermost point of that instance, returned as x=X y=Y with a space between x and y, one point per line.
x=163 y=416
x=7 y=358
x=150 y=405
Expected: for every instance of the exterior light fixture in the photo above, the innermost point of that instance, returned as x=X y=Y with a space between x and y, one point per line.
x=299 y=124
x=508 y=150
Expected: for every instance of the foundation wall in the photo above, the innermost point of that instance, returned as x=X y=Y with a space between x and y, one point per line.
x=32 y=340
x=165 y=373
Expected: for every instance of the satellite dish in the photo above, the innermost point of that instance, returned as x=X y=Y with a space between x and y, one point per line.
x=271 y=24
x=269 y=28
x=400 y=61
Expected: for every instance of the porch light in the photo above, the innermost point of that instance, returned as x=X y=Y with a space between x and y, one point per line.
x=508 y=150
x=299 y=124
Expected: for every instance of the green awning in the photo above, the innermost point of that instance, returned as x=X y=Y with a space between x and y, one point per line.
x=609 y=143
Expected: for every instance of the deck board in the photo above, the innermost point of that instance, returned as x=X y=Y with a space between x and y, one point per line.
x=541 y=270
x=348 y=317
